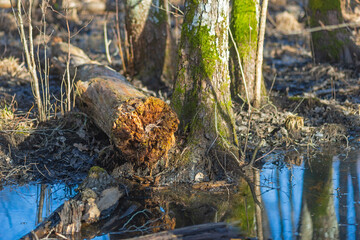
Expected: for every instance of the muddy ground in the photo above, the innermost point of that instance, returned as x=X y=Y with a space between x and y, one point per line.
x=308 y=105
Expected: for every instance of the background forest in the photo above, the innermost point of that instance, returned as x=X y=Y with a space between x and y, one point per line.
x=156 y=93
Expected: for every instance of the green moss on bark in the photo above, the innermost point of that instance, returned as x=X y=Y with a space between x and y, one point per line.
x=324 y=5
x=332 y=47
x=243 y=26
x=328 y=45
x=201 y=92
x=201 y=44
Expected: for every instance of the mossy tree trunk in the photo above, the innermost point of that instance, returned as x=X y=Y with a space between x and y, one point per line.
x=148 y=29
x=201 y=94
x=244 y=25
x=333 y=46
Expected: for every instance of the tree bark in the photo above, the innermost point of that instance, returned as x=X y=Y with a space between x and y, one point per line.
x=331 y=46
x=147 y=25
x=141 y=127
x=201 y=95
x=244 y=25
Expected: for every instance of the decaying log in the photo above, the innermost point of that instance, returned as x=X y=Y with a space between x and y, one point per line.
x=197 y=232
x=141 y=127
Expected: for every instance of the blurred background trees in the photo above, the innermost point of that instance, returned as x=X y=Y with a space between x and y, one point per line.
x=147 y=25
x=333 y=45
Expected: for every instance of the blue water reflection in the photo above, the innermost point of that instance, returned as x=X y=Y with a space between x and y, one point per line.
x=18 y=211
x=318 y=199
x=281 y=190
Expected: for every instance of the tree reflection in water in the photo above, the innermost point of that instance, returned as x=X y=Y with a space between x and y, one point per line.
x=317 y=200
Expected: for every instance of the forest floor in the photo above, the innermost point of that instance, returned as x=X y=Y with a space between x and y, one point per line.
x=308 y=105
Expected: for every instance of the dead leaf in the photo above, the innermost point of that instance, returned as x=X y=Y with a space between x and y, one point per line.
x=81 y=133
x=81 y=147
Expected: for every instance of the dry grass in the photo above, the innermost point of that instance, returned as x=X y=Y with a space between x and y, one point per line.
x=287 y=23
x=12 y=123
x=10 y=67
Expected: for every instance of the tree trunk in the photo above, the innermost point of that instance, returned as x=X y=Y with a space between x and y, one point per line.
x=331 y=46
x=244 y=25
x=202 y=89
x=147 y=25
x=141 y=127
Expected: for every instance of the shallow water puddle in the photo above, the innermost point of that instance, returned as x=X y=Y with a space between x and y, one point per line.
x=316 y=199
x=19 y=206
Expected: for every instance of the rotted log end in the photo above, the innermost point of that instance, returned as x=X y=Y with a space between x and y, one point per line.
x=144 y=130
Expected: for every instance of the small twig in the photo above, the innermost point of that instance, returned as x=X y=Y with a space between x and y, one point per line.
x=241 y=69
x=77 y=32
x=34 y=234
x=176 y=8
x=50 y=232
x=261 y=143
x=107 y=43
x=326 y=28
x=64 y=16
x=68 y=89
x=41 y=172
x=132 y=217
x=60 y=235
x=28 y=47
x=259 y=54
x=266 y=154
x=163 y=9
x=247 y=135
x=47 y=170
x=272 y=84
x=298 y=105
x=118 y=36
x=347 y=141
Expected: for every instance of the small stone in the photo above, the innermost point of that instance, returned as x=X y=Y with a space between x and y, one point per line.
x=284 y=132
x=199 y=177
x=319 y=135
x=92 y=212
x=242 y=128
x=109 y=198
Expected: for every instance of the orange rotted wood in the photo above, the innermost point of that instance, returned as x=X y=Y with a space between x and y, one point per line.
x=141 y=127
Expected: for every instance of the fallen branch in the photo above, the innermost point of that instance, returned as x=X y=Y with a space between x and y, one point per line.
x=141 y=127
x=326 y=28
x=203 y=231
